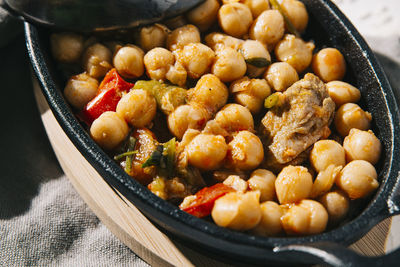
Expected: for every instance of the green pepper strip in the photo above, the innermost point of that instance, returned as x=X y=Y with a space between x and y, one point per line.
x=289 y=24
x=174 y=95
x=271 y=100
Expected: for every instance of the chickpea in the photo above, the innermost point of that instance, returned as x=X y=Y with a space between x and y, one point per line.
x=229 y=65
x=270 y=223
x=129 y=61
x=80 y=89
x=204 y=15
x=222 y=175
x=329 y=64
x=153 y=36
x=264 y=181
x=235 y=19
x=325 y=153
x=213 y=127
x=318 y=216
x=362 y=145
x=350 y=116
x=342 y=93
x=307 y=217
x=97 y=60
x=186 y=202
x=177 y=74
x=237 y=211
x=235 y=117
x=236 y=183
x=137 y=107
x=256 y=6
x=218 y=40
x=207 y=151
x=325 y=180
x=109 y=130
x=182 y=36
x=336 y=204
x=358 y=179
x=209 y=93
x=295 y=51
x=250 y=93
x=158 y=61
x=187 y=117
x=268 y=27
x=188 y=136
x=66 y=47
x=281 y=76
x=296 y=13
x=296 y=220
x=175 y=22
x=196 y=58
x=293 y=184
x=254 y=49
x=245 y=151
x=114 y=46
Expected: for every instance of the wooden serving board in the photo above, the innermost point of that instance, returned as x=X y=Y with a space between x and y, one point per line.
x=127 y=223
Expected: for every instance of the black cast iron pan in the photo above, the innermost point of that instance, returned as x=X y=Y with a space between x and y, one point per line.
x=327 y=26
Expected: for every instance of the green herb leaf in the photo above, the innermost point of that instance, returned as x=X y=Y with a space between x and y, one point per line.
x=163 y=157
x=169 y=153
x=128 y=153
x=259 y=62
x=271 y=101
x=129 y=158
x=155 y=158
x=288 y=23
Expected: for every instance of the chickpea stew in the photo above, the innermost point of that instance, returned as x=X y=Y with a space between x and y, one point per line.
x=230 y=114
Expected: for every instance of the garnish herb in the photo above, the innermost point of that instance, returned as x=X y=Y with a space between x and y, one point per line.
x=169 y=152
x=155 y=157
x=288 y=23
x=129 y=153
x=163 y=157
x=259 y=62
x=129 y=158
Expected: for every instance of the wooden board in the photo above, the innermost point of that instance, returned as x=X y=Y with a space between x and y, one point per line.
x=127 y=223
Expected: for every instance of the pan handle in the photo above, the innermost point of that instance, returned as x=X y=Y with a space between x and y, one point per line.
x=338 y=255
x=393 y=200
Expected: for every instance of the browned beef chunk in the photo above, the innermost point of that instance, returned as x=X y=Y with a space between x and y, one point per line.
x=301 y=118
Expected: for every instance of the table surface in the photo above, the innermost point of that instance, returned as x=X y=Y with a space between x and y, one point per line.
x=43 y=220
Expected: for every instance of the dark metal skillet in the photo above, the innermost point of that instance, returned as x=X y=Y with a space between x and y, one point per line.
x=95 y=15
x=327 y=26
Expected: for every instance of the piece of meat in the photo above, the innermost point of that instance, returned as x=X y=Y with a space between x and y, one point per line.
x=273 y=165
x=301 y=118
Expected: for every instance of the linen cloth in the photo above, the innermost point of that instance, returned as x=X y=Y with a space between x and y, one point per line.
x=43 y=221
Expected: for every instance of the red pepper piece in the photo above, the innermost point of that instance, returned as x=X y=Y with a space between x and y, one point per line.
x=113 y=80
x=205 y=199
x=108 y=95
